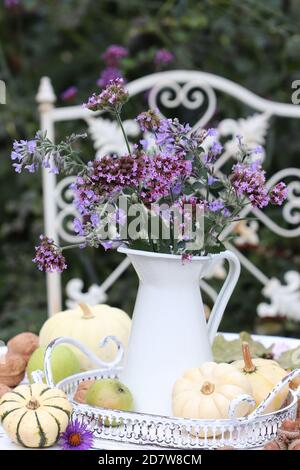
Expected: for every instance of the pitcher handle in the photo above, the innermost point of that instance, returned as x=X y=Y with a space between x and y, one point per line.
x=225 y=293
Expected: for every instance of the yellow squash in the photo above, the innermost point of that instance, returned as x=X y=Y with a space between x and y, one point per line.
x=263 y=375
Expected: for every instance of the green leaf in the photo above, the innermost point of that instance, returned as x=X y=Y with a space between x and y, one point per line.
x=231 y=350
x=290 y=359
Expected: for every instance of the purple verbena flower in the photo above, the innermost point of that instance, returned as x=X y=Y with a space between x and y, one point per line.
x=48 y=256
x=11 y=3
x=112 y=98
x=186 y=258
x=114 y=54
x=249 y=180
x=163 y=57
x=108 y=74
x=77 y=436
x=278 y=194
x=149 y=120
x=69 y=93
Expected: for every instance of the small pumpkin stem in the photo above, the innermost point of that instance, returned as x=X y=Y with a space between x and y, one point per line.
x=207 y=388
x=249 y=366
x=33 y=404
x=87 y=312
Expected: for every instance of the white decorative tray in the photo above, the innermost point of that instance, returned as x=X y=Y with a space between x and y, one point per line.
x=140 y=428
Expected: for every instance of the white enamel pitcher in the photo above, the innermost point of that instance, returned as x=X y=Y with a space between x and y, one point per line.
x=169 y=331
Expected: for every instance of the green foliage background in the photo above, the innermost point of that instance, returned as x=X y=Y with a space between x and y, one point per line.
x=253 y=42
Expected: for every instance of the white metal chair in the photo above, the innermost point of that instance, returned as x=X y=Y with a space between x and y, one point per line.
x=191 y=90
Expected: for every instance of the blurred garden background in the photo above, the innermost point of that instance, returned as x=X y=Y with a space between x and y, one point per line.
x=252 y=42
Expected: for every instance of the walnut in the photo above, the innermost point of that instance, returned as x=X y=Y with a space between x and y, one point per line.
x=295 y=383
x=12 y=369
x=4 y=389
x=289 y=430
x=295 y=445
x=81 y=391
x=272 y=445
x=23 y=344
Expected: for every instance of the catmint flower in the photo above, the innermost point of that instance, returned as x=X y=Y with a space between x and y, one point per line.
x=78 y=227
x=213 y=153
x=216 y=205
x=22 y=152
x=211 y=132
x=278 y=194
x=163 y=57
x=211 y=180
x=226 y=212
x=112 y=98
x=48 y=256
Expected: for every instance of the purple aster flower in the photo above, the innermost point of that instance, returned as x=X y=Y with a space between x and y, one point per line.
x=69 y=93
x=216 y=205
x=278 y=194
x=112 y=98
x=149 y=120
x=48 y=256
x=114 y=54
x=108 y=74
x=163 y=57
x=77 y=436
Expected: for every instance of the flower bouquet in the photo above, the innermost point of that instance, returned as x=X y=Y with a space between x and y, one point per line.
x=163 y=196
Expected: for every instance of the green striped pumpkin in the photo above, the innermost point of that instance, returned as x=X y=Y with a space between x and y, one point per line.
x=35 y=415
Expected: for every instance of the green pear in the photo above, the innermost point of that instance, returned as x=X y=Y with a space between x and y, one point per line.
x=110 y=393
x=63 y=361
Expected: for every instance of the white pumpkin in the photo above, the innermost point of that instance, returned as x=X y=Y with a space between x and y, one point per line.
x=89 y=325
x=35 y=415
x=206 y=392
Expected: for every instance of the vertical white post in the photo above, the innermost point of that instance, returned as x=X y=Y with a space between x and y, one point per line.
x=46 y=99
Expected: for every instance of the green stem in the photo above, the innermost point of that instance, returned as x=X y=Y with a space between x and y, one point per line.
x=123 y=130
x=69 y=247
